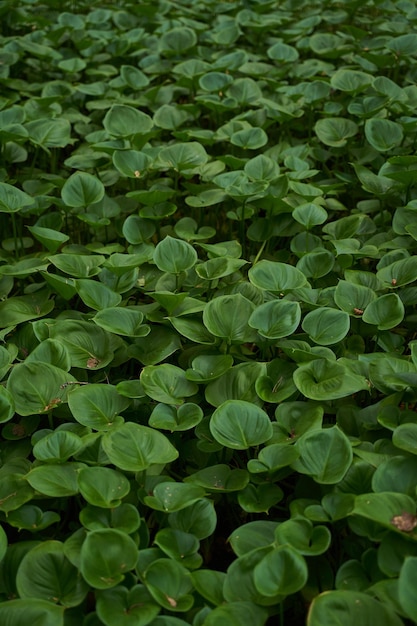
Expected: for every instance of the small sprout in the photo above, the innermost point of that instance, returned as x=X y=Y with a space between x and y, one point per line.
x=92 y=362
x=405 y=522
x=358 y=311
x=171 y=601
x=137 y=174
x=394 y=282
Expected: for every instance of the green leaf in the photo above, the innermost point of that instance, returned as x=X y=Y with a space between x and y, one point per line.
x=37 y=387
x=273 y=457
x=235 y=613
x=183 y=156
x=96 y=405
x=177 y=40
x=350 y=607
x=167 y=383
x=174 y=255
x=81 y=190
x=159 y=344
x=52 y=352
x=51 y=239
x=102 y=567
x=326 y=326
x=7 y=405
x=125 y=121
x=209 y=584
x=405 y=437
x=276 y=319
x=310 y=214
x=261 y=498
x=399 y=273
x=50 y=132
x=173 y=418
x=133 y=447
x=124 y=517
x=170 y=496
x=120 y=606
x=170 y=585
x=126 y=321
x=276 y=277
x=56 y=481
x=252 y=535
x=131 y=163
x=307 y=539
x=383 y=135
x=199 y=519
x=103 y=486
x=283 y=571
x=351 y=81
x=218 y=268
x=238 y=383
x=283 y=53
x=385 y=312
x=37 y=576
x=14 y=492
x=20 y=309
x=335 y=131
x=78 y=265
x=32 y=518
x=227 y=317
x=397 y=473
x=220 y=478
x=323 y=379
x=239 y=425
x=385 y=508
x=180 y=546
x=250 y=138
x=57 y=447
x=353 y=298
x=205 y=368
x=95 y=295
x=18 y=612
x=3 y=543
x=88 y=345
x=406 y=592
x=325 y=455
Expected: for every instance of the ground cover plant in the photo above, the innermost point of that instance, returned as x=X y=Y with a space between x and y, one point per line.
x=208 y=322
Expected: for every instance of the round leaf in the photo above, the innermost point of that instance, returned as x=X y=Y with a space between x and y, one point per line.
x=126 y=607
x=383 y=135
x=276 y=319
x=326 y=326
x=282 y=571
x=239 y=425
x=37 y=576
x=227 y=317
x=325 y=455
x=106 y=556
x=174 y=255
x=385 y=312
x=133 y=447
x=96 y=405
x=125 y=121
x=82 y=189
x=276 y=277
x=103 y=486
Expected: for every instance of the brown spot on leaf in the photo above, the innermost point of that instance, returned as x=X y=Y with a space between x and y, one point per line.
x=405 y=522
x=92 y=362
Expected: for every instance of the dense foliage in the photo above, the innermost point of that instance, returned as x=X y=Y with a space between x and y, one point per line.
x=208 y=319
